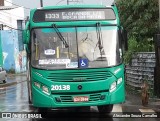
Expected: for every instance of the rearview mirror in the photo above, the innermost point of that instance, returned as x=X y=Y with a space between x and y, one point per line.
x=26 y=34
x=124 y=39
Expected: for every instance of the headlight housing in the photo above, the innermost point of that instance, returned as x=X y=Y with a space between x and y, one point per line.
x=45 y=90
x=37 y=84
x=115 y=84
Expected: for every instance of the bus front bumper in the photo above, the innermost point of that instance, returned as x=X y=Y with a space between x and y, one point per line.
x=41 y=99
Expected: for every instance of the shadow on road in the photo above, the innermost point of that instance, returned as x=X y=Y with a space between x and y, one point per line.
x=74 y=114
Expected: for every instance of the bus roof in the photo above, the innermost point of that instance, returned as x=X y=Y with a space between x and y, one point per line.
x=75 y=6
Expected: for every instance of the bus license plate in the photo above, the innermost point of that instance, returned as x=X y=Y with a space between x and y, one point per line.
x=80 y=99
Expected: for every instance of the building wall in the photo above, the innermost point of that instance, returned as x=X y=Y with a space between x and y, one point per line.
x=1 y=2
x=10 y=17
x=1 y=55
x=7 y=2
x=13 y=59
x=141 y=69
x=8 y=49
x=10 y=13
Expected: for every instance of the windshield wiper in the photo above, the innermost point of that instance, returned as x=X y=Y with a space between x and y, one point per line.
x=99 y=37
x=36 y=46
x=60 y=36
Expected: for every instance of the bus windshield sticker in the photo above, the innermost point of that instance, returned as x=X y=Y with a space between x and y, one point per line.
x=72 y=65
x=53 y=61
x=83 y=62
x=49 y=52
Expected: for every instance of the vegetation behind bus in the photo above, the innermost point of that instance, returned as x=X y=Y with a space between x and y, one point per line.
x=141 y=23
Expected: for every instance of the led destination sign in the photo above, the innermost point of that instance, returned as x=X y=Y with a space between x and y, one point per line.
x=76 y=15
x=73 y=14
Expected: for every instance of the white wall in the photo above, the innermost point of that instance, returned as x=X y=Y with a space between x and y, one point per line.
x=9 y=3
x=16 y=14
x=10 y=17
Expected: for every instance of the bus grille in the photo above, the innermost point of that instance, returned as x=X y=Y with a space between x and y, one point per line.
x=66 y=98
x=92 y=97
x=95 y=97
x=79 y=76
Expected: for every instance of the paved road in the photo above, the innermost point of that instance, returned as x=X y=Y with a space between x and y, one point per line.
x=14 y=99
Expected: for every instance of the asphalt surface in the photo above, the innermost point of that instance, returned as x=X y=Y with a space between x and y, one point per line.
x=13 y=79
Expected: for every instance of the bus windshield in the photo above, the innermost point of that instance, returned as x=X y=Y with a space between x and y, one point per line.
x=98 y=46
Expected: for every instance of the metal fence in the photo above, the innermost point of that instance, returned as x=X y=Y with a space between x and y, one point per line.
x=141 y=69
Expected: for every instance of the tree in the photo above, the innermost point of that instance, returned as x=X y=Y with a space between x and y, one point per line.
x=139 y=17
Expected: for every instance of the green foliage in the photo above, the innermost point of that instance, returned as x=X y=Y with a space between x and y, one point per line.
x=139 y=17
x=145 y=45
x=132 y=47
x=11 y=71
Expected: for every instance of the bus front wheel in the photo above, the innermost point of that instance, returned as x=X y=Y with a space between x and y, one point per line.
x=29 y=83
x=43 y=112
x=105 y=108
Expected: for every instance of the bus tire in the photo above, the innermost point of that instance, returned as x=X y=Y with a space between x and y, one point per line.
x=29 y=83
x=105 y=109
x=43 y=112
x=29 y=93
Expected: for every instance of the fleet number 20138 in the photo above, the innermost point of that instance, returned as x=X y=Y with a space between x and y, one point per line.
x=60 y=87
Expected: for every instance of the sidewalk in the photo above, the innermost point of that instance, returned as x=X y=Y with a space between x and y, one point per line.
x=155 y=103
x=135 y=99
x=14 y=79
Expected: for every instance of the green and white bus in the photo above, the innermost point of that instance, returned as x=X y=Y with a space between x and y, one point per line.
x=75 y=57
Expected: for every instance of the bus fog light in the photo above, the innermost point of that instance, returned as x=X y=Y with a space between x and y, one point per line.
x=45 y=90
x=102 y=97
x=113 y=87
x=37 y=84
x=57 y=99
x=119 y=80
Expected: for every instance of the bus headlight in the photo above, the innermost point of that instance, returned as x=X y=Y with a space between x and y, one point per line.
x=113 y=87
x=119 y=80
x=45 y=90
x=37 y=84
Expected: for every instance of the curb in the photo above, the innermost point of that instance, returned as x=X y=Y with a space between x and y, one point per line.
x=154 y=99
x=13 y=75
x=11 y=83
